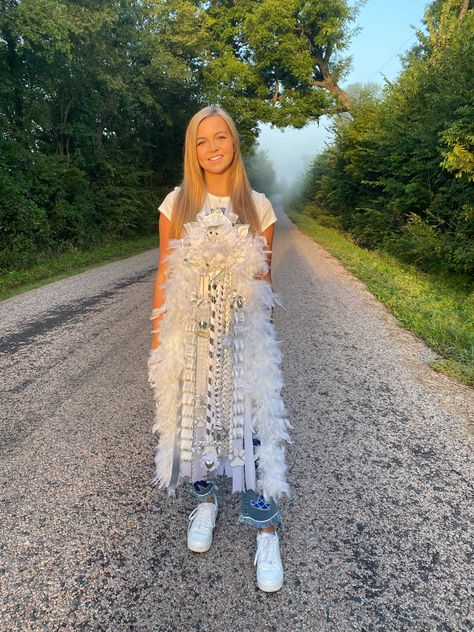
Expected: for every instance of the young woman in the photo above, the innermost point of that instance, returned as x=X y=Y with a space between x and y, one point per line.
x=214 y=363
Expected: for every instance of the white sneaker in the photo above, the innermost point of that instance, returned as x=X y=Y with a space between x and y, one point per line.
x=268 y=561
x=201 y=523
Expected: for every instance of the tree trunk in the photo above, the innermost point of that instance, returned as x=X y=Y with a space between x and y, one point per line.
x=15 y=74
x=464 y=9
x=99 y=132
x=63 y=134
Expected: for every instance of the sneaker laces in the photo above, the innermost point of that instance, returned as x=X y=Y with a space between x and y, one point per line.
x=267 y=547
x=203 y=516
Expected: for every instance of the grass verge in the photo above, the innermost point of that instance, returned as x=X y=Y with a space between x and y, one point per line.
x=437 y=308
x=57 y=267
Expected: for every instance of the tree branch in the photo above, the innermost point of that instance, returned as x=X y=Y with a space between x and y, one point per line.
x=276 y=96
x=343 y=99
x=464 y=9
x=328 y=53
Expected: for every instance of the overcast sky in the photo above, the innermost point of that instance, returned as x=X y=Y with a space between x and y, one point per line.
x=386 y=33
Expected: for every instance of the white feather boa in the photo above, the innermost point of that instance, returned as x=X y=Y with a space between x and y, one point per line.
x=243 y=254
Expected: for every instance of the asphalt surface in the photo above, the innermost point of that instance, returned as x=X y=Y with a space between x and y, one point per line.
x=377 y=536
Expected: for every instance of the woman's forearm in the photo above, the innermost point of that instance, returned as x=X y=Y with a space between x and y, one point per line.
x=158 y=301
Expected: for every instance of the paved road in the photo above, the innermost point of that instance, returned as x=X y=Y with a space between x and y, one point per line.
x=378 y=534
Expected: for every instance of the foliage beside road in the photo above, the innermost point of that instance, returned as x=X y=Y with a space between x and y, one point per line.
x=95 y=96
x=438 y=308
x=399 y=175
x=51 y=269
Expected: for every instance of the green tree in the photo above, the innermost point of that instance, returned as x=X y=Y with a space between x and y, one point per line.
x=399 y=174
x=94 y=97
x=279 y=61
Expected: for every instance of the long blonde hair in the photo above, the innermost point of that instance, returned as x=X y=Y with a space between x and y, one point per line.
x=191 y=196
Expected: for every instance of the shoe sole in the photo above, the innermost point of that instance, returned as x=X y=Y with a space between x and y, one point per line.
x=199 y=548
x=270 y=587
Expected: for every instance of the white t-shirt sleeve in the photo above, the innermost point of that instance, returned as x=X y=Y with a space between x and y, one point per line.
x=265 y=210
x=166 y=207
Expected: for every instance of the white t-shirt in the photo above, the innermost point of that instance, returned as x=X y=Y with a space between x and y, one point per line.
x=265 y=210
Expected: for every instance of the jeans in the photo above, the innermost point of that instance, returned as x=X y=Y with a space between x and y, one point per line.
x=254 y=511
